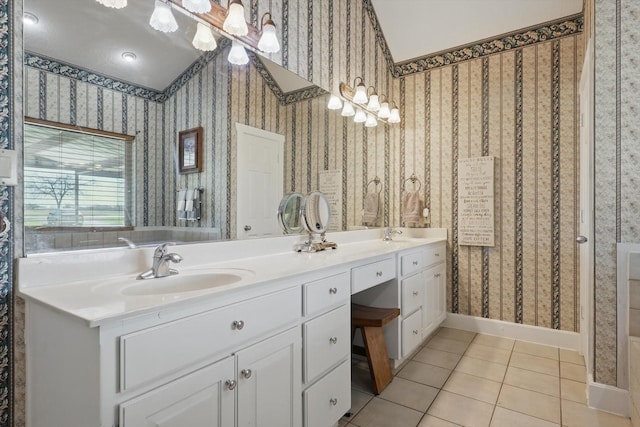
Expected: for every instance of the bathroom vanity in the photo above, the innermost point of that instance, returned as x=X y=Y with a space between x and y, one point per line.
x=249 y=333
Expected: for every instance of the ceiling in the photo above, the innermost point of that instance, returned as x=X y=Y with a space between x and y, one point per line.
x=93 y=37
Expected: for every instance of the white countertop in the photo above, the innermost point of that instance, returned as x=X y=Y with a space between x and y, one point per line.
x=93 y=285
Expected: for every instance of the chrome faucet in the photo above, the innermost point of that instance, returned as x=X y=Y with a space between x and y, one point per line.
x=161 y=260
x=128 y=242
x=388 y=232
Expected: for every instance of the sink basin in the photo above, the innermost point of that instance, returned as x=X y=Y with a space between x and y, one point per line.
x=180 y=283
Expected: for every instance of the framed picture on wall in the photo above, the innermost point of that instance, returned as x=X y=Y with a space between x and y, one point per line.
x=190 y=150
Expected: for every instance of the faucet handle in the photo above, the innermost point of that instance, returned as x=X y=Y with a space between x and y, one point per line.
x=162 y=249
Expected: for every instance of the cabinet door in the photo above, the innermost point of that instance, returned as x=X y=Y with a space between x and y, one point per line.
x=269 y=383
x=441 y=286
x=200 y=399
x=434 y=306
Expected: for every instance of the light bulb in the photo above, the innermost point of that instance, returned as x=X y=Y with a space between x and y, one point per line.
x=237 y=54
x=204 y=40
x=128 y=56
x=384 y=111
x=269 y=40
x=347 y=110
x=360 y=116
x=371 y=121
x=30 y=18
x=234 y=23
x=374 y=104
x=197 y=6
x=361 y=94
x=334 y=103
x=162 y=18
x=395 y=115
x=116 y=4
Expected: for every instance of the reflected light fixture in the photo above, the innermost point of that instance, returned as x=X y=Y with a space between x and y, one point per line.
x=371 y=121
x=204 y=40
x=347 y=110
x=384 y=111
x=116 y=4
x=334 y=103
x=128 y=56
x=197 y=6
x=268 y=40
x=234 y=23
x=394 y=117
x=30 y=18
x=374 y=104
x=237 y=54
x=360 y=117
x=162 y=18
x=360 y=96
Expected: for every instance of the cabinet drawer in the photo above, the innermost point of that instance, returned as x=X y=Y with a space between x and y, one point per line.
x=325 y=293
x=155 y=352
x=372 y=274
x=435 y=253
x=412 y=293
x=329 y=399
x=412 y=262
x=411 y=333
x=326 y=341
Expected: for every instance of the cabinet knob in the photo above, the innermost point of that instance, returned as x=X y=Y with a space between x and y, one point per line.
x=237 y=324
x=415 y=293
x=333 y=340
x=246 y=373
x=436 y=275
x=231 y=384
x=437 y=254
x=415 y=332
x=333 y=401
x=378 y=273
x=333 y=290
x=415 y=262
x=247 y=228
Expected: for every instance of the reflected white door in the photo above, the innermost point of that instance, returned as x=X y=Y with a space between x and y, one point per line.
x=585 y=239
x=260 y=174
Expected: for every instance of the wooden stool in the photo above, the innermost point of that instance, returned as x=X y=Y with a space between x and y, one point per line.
x=371 y=320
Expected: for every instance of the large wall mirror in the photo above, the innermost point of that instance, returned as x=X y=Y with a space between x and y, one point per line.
x=95 y=75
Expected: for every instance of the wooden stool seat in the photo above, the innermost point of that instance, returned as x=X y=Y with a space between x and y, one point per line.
x=370 y=320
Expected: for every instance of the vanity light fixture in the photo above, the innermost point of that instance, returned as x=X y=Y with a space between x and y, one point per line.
x=360 y=117
x=268 y=40
x=347 y=110
x=334 y=103
x=374 y=104
x=394 y=117
x=371 y=121
x=162 y=18
x=197 y=6
x=116 y=4
x=237 y=54
x=234 y=23
x=384 y=111
x=360 y=96
x=204 y=40
x=29 y=18
x=129 y=56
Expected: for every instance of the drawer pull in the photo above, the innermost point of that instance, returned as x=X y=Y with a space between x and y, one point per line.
x=246 y=373
x=231 y=384
x=415 y=293
x=333 y=401
x=436 y=275
x=378 y=273
x=415 y=332
x=437 y=254
x=333 y=340
x=333 y=290
x=237 y=324
x=415 y=262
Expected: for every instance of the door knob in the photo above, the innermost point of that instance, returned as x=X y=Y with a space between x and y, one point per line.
x=581 y=239
x=247 y=228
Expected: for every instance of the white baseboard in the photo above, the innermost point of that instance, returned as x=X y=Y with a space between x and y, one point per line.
x=608 y=398
x=535 y=334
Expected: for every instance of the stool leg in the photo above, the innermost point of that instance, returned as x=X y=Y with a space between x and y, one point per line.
x=377 y=357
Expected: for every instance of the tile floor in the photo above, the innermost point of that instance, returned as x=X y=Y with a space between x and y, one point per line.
x=460 y=378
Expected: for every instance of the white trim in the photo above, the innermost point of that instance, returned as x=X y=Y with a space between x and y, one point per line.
x=622 y=291
x=608 y=398
x=535 y=334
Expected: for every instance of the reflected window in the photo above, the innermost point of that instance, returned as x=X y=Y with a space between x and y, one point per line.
x=76 y=178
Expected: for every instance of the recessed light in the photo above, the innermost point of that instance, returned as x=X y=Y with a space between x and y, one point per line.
x=30 y=18
x=129 y=56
